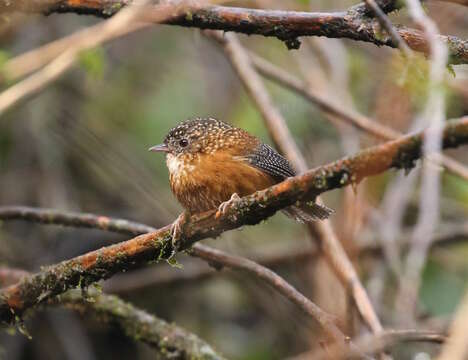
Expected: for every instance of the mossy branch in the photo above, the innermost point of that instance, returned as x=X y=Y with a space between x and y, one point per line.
x=103 y=263
x=168 y=340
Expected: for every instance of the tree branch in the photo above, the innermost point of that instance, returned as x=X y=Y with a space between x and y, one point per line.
x=103 y=263
x=215 y=257
x=284 y=25
x=91 y=221
x=448 y=235
x=168 y=340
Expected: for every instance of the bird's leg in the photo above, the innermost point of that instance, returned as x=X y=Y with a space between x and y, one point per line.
x=177 y=231
x=225 y=206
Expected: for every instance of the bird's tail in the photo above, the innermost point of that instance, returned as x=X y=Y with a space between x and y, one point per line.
x=308 y=212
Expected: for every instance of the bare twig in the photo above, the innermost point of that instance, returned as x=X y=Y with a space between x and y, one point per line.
x=160 y=276
x=105 y=262
x=278 y=283
x=92 y=221
x=428 y=218
x=391 y=215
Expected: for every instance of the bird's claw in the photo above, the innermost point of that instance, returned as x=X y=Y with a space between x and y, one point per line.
x=223 y=209
x=177 y=232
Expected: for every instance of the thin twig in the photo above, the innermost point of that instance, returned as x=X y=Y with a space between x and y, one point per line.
x=278 y=283
x=161 y=276
x=434 y=113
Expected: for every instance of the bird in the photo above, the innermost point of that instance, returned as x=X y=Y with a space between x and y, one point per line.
x=212 y=164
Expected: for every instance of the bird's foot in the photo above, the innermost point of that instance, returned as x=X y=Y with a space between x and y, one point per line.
x=177 y=231
x=223 y=209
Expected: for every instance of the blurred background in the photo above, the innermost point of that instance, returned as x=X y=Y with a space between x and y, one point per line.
x=81 y=145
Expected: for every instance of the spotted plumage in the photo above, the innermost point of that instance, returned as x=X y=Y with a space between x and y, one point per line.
x=210 y=160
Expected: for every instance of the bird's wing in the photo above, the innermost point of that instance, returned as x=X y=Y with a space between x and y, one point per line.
x=268 y=160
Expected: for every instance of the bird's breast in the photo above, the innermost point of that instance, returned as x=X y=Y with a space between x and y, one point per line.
x=202 y=182
x=179 y=166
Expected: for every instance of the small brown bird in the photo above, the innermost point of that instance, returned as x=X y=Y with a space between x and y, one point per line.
x=211 y=162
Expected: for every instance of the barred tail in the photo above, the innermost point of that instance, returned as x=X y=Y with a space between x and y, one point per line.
x=311 y=211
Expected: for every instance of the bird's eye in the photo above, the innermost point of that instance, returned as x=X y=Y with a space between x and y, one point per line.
x=183 y=142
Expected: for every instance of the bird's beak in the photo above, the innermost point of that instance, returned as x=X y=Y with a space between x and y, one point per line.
x=159 y=148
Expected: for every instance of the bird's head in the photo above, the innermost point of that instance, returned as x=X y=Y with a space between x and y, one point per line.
x=199 y=135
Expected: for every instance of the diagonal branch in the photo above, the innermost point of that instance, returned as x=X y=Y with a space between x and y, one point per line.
x=252 y=209
x=448 y=235
x=215 y=257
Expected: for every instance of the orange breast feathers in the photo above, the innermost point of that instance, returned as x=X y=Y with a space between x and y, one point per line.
x=202 y=182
